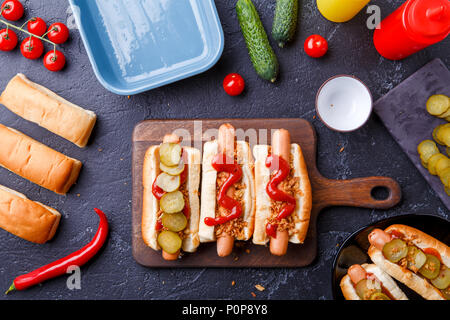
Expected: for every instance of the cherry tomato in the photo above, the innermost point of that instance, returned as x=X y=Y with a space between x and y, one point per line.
x=37 y=26
x=32 y=48
x=54 y=60
x=58 y=33
x=12 y=10
x=316 y=46
x=8 y=40
x=233 y=84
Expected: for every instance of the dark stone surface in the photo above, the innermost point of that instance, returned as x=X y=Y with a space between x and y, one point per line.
x=410 y=126
x=105 y=181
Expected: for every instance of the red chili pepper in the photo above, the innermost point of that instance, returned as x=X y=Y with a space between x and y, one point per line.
x=59 y=267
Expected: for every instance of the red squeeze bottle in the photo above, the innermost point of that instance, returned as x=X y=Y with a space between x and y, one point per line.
x=414 y=26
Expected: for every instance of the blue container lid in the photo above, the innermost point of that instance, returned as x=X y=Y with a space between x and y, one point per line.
x=138 y=45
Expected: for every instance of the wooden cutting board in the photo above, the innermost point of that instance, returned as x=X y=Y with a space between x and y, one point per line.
x=326 y=192
x=403 y=112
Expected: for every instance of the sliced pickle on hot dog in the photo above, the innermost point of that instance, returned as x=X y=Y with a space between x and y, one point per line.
x=395 y=250
x=169 y=241
x=366 y=288
x=443 y=279
x=170 y=154
x=427 y=149
x=438 y=104
x=446 y=293
x=433 y=161
x=174 y=222
x=167 y=182
x=172 y=202
x=447 y=150
x=416 y=258
x=431 y=268
x=379 y=296
x=173 y=170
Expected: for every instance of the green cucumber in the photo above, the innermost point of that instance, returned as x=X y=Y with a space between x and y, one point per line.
x=285 y=21
x=261 y=54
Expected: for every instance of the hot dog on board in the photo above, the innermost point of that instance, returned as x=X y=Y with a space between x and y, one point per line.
x=170 y=211
x=414 y=258
x=277 y=207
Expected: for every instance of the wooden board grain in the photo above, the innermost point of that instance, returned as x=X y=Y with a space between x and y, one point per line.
x=326 y=192
x=403 y=112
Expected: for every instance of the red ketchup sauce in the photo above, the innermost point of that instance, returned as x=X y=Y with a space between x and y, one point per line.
x=282 y=168
x=221 y=163
x=158 y=193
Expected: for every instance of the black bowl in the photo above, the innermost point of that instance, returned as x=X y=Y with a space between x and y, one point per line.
x=354 y=249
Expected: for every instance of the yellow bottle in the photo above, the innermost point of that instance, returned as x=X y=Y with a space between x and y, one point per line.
x=340 y=10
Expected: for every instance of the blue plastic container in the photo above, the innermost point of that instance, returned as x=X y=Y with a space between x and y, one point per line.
x=138 y=45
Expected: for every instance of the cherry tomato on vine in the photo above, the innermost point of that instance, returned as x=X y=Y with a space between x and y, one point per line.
x=32 y=48
x=12 y=10
x=8 y=40
x=316 y=46
x=233 y=84
x=54 y=60
x=58 y=33
x=37 y=26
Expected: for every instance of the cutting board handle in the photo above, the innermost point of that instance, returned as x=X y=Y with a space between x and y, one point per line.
x=358 y=193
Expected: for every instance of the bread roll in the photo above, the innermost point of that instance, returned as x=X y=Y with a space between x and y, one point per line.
x=36 y=162
x=37 y=104
x=27 y=219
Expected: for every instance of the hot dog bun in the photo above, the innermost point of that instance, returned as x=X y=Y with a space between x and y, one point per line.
x=349 y=291
x=27 y=219
x=409 y=278
x=208 y=196
x=151 y=204
x=263 y=202
x=36 y=162
x=37 y=104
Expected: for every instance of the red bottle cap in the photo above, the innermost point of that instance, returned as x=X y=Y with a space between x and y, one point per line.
x=429 y=19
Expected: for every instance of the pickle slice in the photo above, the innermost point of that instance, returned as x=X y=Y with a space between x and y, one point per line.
x=174 y=170
x=435 y=134
x=170 y=154
x=445 y=177
x=169 y=241
x=447 y=191
x=438 y=104
x=431 y=268
x=443 y=134
x=427 y=149
x=433 y=161
x=447 y=150
x=167 y=182
x=416 y=258
x=174 y=222
x=172 y=202
x=441 y=165
x=366 y=288
x=395 y=250
x=443 y=279
x=379 y=296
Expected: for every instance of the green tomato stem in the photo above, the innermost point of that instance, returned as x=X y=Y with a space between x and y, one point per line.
x=25 y=31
